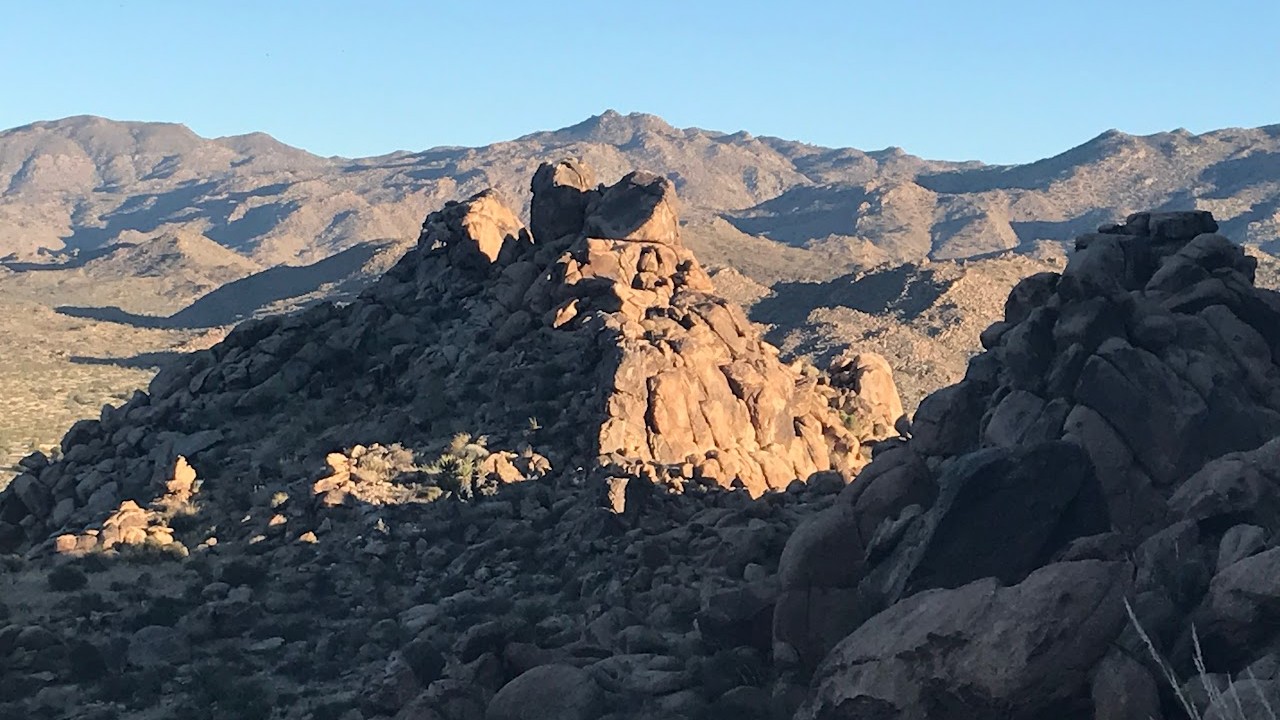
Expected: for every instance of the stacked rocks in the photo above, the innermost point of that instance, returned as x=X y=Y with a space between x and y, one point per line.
x=1114 y=441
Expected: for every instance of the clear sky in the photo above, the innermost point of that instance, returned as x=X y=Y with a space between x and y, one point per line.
x=998 y=81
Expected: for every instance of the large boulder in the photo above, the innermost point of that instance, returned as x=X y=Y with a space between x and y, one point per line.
x=980 y=650
x=1241 y=611
x=548 y=692
x=641 y=206
x=838 y=570
x=561 y=193
x=869 y=378
x=474 y=232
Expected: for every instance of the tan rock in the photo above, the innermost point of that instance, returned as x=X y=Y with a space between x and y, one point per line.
x=499 y=466
x=184 y=477
x=65 y=544
x=641 y=206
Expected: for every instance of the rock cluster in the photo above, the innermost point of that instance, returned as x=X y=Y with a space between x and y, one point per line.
x=1115 y=441
x=529 y=468
x=688 y=382
x=603 y=341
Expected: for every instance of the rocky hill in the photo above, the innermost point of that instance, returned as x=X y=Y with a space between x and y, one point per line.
x=303 y=521
x=557 y=378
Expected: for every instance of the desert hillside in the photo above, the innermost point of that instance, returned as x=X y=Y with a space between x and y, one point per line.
x=551 y=469
x=129 y=242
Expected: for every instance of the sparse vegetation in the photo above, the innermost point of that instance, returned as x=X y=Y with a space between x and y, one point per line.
x=151 y=552
x=67 y=578
x=1225 y=694
x=457 y=467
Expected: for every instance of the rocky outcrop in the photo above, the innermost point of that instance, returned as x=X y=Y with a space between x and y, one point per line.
x=1122 y=409
x=602 y=341
x=686 y=381
x=498 y=484
x=980 y=650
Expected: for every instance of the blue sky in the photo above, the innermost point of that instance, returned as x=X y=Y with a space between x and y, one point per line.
x=994 y=81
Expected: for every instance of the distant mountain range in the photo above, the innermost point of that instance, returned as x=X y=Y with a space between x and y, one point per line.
x=76 y=185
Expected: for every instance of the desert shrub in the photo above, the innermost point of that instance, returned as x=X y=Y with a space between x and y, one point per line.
x=160 y=610
x=151 y=552
x=93 y=562
x=84 y=603
x=223 y=692
x=87 y=663
x=134 y=688
x=183 y=522
x=457 y=468
x=856 y=423
x=66 y=578
x=242 y=572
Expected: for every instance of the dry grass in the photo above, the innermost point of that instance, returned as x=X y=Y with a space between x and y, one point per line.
x=1230 y=699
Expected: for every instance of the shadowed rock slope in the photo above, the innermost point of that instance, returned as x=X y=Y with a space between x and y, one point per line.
x=1116 y=442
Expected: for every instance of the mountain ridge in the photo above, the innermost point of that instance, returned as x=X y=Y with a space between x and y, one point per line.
x=75 y=184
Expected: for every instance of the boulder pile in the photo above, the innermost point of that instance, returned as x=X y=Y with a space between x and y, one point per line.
x=1116 y=442
x=549 y=449
x=595 y=334
x=547 y=472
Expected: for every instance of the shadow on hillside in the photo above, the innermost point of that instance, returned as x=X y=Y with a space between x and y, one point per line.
x=147 y=212
x=241 y=299
x=80 y=260
x=906 y=291
x=141 y=361
x=803 y=214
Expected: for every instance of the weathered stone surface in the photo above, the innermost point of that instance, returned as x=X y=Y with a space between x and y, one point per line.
x=1123 y=689
x=819 y=572
x=1031 y=502
x=1238 y=543
x=641 y=206
x=947 y=421
x=561 y=193
x=553 y=692
x=474 y=232
x=1125 y=409
x=1240 y=612
x=1244 y=485
x=977 y=650
x=158 y=646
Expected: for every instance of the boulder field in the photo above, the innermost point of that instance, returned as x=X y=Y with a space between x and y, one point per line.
x=546 y=472
x=551 y=445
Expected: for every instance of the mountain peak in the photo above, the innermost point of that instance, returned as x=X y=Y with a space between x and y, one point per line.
x=615 y=128
x=88 y=128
